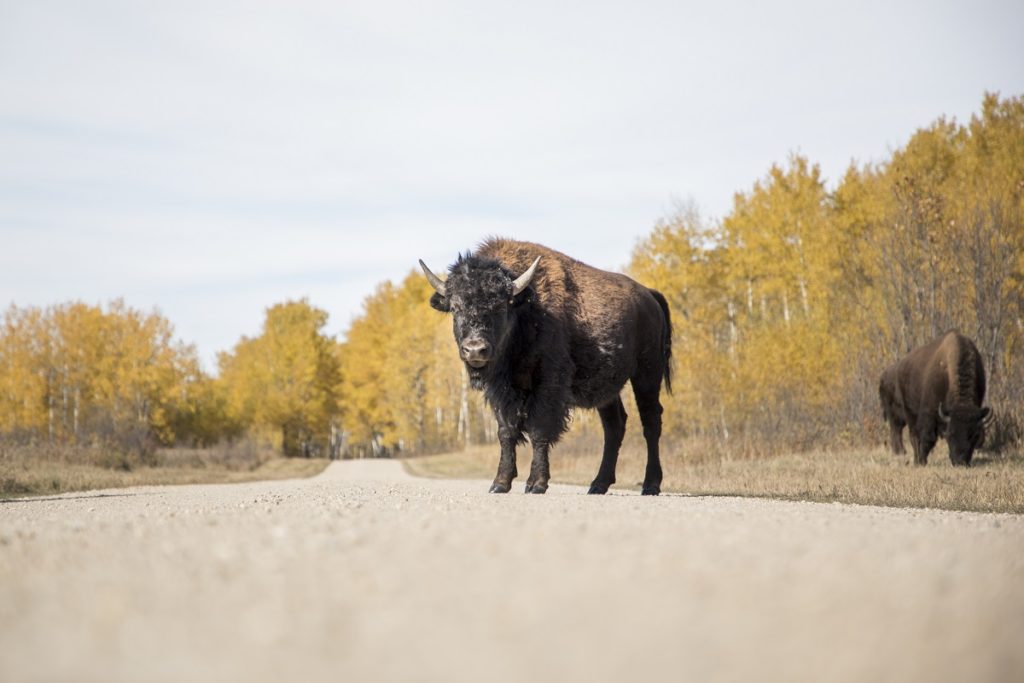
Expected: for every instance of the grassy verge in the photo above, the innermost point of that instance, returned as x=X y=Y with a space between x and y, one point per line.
x=868 y=476
x=27 y=473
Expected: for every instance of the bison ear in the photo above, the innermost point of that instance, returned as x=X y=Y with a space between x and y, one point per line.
x=440 y=303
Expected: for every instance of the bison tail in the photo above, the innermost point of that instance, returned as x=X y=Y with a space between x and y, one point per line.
x=666 y=339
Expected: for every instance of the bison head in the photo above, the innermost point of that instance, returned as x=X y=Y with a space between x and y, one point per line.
x=965 y=430
x=482 y=297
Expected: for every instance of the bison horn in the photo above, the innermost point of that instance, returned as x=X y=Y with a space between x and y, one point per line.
x=987 y=416
x=435 y=282
x=942 y=414
x=523 y=281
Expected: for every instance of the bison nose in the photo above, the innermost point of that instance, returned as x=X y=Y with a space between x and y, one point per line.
x=476 y=350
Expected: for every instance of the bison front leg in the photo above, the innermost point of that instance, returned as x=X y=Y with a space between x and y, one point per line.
x=927 y=444
x=508 y=436
x=539 y=468
x=915 y=445
x=896 y=437
x=923 y=442
x=547 y=415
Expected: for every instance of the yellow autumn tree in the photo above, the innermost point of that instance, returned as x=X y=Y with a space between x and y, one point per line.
x=367 y=417
x=404 y=386
x=77 y=373
x=284 y=382
x=24 y=372
x=790 y=307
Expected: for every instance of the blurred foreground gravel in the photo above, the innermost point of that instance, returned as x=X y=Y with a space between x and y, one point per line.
x=364 y=573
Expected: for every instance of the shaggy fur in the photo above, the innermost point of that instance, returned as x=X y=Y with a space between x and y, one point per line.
x=947 y=374
x=573 y=338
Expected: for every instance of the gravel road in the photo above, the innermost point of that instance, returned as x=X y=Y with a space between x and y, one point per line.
x=364 y=573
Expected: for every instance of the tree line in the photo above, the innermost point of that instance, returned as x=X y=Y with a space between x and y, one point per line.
x=786 y=311
x=76 y=373
x=792 y=305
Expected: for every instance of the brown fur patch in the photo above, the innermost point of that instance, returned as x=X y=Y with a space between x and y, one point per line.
x=588 y=295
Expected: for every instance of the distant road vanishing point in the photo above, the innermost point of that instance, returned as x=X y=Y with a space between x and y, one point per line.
x=365 y=573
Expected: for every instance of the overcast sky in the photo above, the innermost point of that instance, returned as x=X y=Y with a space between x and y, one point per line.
x=214 y=158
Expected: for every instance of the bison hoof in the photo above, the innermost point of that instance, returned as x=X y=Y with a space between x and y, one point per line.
x=500 y=488
x=536 y=488
x=598 y=489
x=651 y=490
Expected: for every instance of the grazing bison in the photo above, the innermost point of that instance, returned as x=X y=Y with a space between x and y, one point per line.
x=937 y=390
x=541 y=333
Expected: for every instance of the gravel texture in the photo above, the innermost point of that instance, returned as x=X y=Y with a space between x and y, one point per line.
x=364 y=573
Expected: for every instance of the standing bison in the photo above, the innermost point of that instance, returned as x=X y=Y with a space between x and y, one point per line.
x=541 y=333
x=937 y=390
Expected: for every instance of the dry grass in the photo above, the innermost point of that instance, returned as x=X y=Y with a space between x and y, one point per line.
x=476 y=462
x=28 y=470
x=865 y=476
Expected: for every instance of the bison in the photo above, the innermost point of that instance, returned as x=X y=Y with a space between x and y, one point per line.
x=541 y=333
x=937 y=390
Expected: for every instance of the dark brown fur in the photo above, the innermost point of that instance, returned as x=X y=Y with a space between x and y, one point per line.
x=573 y=338
x=892 y=411
x=943 y=377
x=602 y=310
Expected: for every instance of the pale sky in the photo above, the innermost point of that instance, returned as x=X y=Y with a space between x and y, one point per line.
x=211 y=159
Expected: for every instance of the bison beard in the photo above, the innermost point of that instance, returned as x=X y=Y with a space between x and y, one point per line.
x=541 y=333
x=937 y=390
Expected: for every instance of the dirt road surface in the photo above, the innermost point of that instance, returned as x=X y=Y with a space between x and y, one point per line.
x=364 y=573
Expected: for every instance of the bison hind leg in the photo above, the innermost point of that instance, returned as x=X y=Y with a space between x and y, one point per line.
x=613 y=419
x=649 y=405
